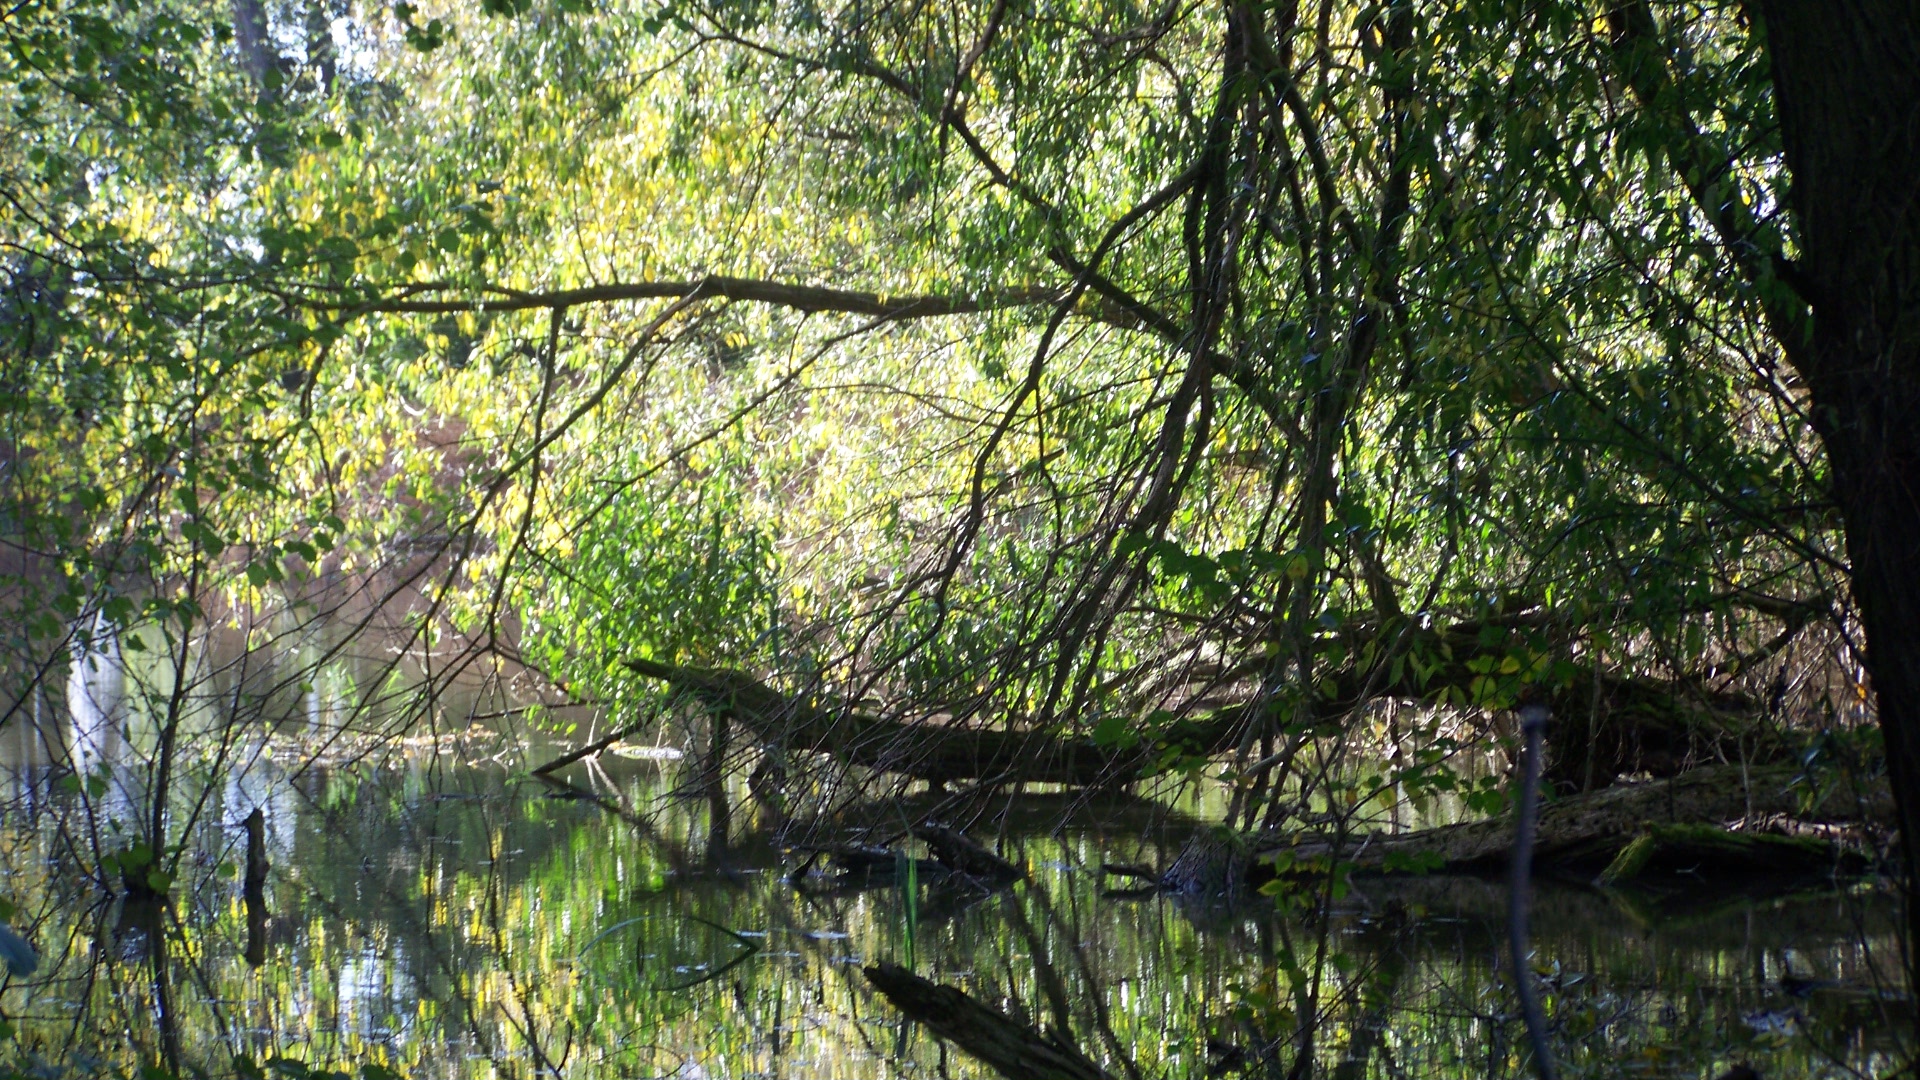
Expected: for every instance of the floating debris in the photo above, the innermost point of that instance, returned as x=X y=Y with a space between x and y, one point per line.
x=647 y=753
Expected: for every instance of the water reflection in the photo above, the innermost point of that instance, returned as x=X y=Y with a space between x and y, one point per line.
x=96 y=698
x=258 y=782
x=448 y=920
x=434 y=911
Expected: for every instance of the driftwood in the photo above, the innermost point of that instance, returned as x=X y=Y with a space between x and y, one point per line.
x=1011 y=1048
x=588 y=750
x=1679 y=821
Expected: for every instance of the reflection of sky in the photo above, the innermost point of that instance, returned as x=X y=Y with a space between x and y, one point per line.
x=97 y=705
x=259 y=782
x=96 y=690
x=376 y=995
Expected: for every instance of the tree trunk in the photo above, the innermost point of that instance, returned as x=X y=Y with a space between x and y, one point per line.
x=1846 y=78
x=936 y=752
x=250 y=34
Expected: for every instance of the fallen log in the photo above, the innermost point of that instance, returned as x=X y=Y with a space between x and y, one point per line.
x=941 y=753
x=1684 y=820
x=849 y=858
x=1679 y=847
x=1011 y=1048
x=937 y=753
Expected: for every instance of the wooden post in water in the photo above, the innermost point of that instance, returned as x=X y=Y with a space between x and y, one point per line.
x=256 y=825
x=254 y=886
x=1533 y=727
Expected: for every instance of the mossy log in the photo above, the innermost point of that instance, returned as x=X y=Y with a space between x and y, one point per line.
x=931 y=751
x=1683 y=820
x=1011 y=1048
x=1694 y=848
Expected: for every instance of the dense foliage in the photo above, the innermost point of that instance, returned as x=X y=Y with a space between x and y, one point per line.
x=1068 y=362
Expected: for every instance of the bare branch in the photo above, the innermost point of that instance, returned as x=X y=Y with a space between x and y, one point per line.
x=808 y=298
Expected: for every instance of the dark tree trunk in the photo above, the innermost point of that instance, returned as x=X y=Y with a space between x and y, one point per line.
x=320 y=54
x=256 y=47
x=1846 y=76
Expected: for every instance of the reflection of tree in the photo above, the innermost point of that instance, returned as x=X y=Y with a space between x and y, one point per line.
x=470 y=911
x=1015 y=1050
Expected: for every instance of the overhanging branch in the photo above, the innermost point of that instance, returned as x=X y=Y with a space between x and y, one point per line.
x=808 y=298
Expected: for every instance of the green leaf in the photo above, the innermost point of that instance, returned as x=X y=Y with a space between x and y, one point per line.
x=1114 y=732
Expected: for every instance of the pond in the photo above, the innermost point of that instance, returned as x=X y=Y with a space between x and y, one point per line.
x=438 y=913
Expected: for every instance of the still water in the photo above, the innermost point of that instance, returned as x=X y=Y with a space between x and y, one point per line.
x=439 y=914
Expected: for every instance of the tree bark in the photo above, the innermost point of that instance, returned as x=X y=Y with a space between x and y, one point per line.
x=1846 y=77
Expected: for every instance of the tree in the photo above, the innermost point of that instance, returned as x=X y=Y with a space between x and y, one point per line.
x=1841 y=298
x=1075 y=361
x=1847 y=89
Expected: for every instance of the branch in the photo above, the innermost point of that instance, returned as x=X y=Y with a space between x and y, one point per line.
x=808 y=298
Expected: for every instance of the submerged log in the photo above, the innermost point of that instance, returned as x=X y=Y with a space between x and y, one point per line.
x=849 y=858
x=1011 y=1048
x=1684 y=820
x=963 y=856
x=953 y=853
